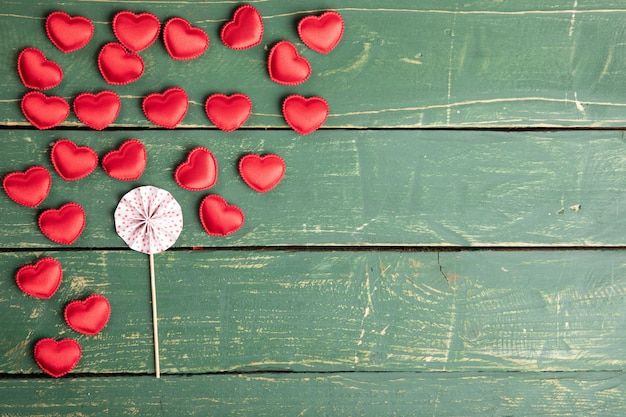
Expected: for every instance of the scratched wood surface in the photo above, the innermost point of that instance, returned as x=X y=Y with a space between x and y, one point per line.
x=432 y=250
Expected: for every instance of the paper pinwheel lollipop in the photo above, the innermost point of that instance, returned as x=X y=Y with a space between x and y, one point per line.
x=149 y=220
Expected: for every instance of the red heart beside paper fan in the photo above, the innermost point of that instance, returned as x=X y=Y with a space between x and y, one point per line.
x=63 y=225
x=136 y=31
x=73 y=162
x=57 y=358
x=218 y=217
x=36 y=71
x=198 y=172
x=29 y=188
x=126 y=163
x=40 y=280
x=68 y=33
x=88 y=316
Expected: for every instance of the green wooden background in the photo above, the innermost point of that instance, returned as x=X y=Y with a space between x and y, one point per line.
x=450 y=243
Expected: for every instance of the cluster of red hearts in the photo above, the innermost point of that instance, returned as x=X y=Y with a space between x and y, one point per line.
x=120 y=64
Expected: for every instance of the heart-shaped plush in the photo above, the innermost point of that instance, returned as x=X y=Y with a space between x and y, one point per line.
x=198 y=172
x=218 y=217
x=97 y=110
x=228 y=112
x=29 y=188
x=88 y=316
x=40 y=280
x=136 y=31
x=57 y=358
x=245 y=30
x=286 y=66
x=321 y=33
x=73 y=162
x=118 y=66
x=167 y=109
x=36 y=71
x=183 y=41
x=262 y=173
x=44 y=112
x=126 y=163
x=63 y=225
x=68 y=33
x=305 y=115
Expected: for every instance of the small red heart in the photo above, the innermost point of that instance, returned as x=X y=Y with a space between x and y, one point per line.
x=305 y=115
x=36 y=71
x=286 y=66
x=68 y=33
x=245 y=30
x=97 y=110
x=57 y=358
x=219 y=218
x=63 y=225
x=40 y=280
x=228 y=112
x=118 y=66
x=136 y=31
x=29 y=188
x=183 y=41
x=88 y=316
x=198 y=172
x=262 y=173
x=44 y=112
x=321 y=33
x=167 y=109
x=127 y=163
x=73 y=162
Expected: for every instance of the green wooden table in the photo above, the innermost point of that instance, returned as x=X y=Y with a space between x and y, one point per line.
x=449 y=243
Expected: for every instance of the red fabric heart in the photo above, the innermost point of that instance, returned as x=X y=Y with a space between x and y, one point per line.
x=228 y=112
x=57 y=358
x=63 y=225
x=167 y=109
x=136 y=31
x=29 y=188
x=127 y=163
x=44 y=112
x=262 y=173
x=118 y=66
x=40 y=280
x=89 y=316
x=68 y=33
x=245 y=30
x=97 y=110
x=73 y=162
x=183 y=41
x=198 y=172
x=36 y=71
x=305 y=115
x=286 y=66
x=321 y=33
x=219 y=218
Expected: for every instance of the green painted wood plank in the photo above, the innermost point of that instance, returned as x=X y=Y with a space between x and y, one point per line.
x=358 y=188
x=354 y=394
x=240 y=311
x=456 y=64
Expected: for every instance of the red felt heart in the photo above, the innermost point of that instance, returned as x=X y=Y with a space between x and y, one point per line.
x=198 y=172
x=305 y=115
x=228 y=112
x=57 y=358
x=44 y=112
x=219 y=218
x=167 y=109
x=286 y=66
x=89 y=316
x=97 y=110
x=245 y=30
x=63 y=225
x=321 y=33
x=29 y=188
x=127 y=163
x=262 y=173
x=36 y=71
x=40 y=280
x=118 y=66
x=136 y=31
x=68 y=33
x=73 y=162
x=183 y=41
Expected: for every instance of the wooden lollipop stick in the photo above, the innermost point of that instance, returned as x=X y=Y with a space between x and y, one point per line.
x=155 y=325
